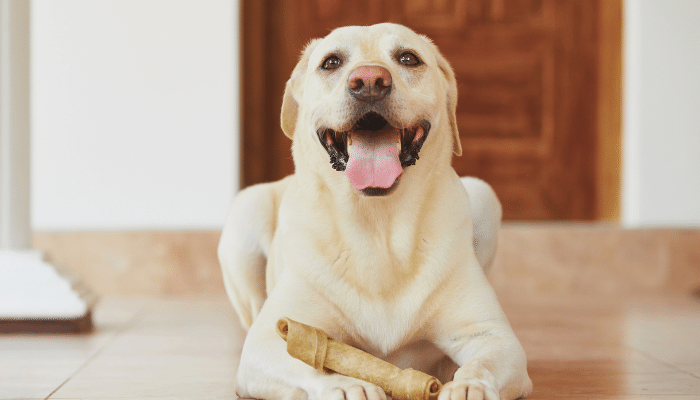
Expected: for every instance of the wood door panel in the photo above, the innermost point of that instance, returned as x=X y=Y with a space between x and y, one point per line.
x=504 y=97
x=527 y=75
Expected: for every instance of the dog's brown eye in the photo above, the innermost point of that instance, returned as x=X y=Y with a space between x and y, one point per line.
x=409 y=59
x=331 y=62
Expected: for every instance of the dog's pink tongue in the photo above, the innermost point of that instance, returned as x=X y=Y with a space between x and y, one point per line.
x=373 y=162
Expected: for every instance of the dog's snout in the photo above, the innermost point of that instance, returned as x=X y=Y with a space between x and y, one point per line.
x=369 y=83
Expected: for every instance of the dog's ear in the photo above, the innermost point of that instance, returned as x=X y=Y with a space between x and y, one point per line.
x=451 y=101
x=290 y=105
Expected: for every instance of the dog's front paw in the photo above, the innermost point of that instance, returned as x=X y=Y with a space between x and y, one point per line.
x=468 y=389
x=338 y=387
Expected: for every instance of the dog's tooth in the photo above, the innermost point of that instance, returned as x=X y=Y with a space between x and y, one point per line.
x=419 y=134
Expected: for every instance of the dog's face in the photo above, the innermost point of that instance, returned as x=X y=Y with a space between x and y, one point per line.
x=371 y=98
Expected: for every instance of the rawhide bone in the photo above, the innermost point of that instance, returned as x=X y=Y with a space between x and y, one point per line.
x=314 y=347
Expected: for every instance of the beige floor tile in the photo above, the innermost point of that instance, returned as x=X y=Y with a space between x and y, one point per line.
x=26 y=374
x=549 y=329
x=36 y=365
x=691 y=368
x=613 y=386
x=163 y=376
x=579 y=347
x=180 y=348
x=597 y=347
x=669 y=332
x=189 y=326
x=633 y=374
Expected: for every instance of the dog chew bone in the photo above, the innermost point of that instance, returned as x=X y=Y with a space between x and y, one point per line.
x=314 y=347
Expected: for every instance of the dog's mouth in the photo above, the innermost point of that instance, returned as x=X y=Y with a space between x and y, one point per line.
x=373 y=153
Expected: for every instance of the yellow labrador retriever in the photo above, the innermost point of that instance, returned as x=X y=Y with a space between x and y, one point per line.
x=374 y=239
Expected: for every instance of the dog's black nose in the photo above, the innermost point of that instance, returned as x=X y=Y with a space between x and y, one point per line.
x=369 y=83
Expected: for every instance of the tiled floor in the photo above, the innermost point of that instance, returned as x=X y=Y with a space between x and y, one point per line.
x=583 y=347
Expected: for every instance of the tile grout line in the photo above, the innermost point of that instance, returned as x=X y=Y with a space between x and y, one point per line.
x=127 y=326
x=672 y=366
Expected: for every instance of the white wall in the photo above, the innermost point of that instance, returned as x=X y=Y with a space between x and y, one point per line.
x=661 y=140
x=134 y=113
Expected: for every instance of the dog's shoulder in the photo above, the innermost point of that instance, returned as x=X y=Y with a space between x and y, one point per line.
x=253 y=213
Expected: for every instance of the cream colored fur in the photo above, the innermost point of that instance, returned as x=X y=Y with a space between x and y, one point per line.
x=401 y=276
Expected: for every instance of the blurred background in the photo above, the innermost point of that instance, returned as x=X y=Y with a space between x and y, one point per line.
x=136 y=105
x=148 y=116
x=127 y=127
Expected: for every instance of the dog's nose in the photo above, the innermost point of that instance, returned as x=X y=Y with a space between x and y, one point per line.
x=369 y=83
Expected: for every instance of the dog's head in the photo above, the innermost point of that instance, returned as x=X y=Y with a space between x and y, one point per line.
x=371 y=100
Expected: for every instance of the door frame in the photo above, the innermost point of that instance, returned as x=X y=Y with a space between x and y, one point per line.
x=610 y=85
x=15 y=221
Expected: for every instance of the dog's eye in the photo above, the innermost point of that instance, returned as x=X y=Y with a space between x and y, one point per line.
x=331 y=62
x=409 y=59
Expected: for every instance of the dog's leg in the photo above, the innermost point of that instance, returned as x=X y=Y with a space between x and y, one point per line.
x=486 y=216
x=244 y=245
x=267 y=371
x=477 y=336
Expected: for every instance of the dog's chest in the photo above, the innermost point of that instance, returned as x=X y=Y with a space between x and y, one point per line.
x=381 y=284
x=382 y=327
x=382 y=323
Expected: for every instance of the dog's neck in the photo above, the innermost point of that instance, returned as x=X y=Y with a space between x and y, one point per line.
x=386 y=231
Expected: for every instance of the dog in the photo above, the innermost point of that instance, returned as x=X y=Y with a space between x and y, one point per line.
x=374 y=238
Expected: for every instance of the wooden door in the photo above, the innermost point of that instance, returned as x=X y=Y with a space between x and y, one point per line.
x=528 y=71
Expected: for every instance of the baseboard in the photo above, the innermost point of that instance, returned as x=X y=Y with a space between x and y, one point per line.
x=596 y=258
x=138 y=262
x=542 y=258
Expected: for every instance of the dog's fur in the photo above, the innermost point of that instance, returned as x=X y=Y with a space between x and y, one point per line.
x=401 y=276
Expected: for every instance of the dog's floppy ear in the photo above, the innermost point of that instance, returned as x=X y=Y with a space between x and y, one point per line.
x=451 y=101
x=290 y=105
